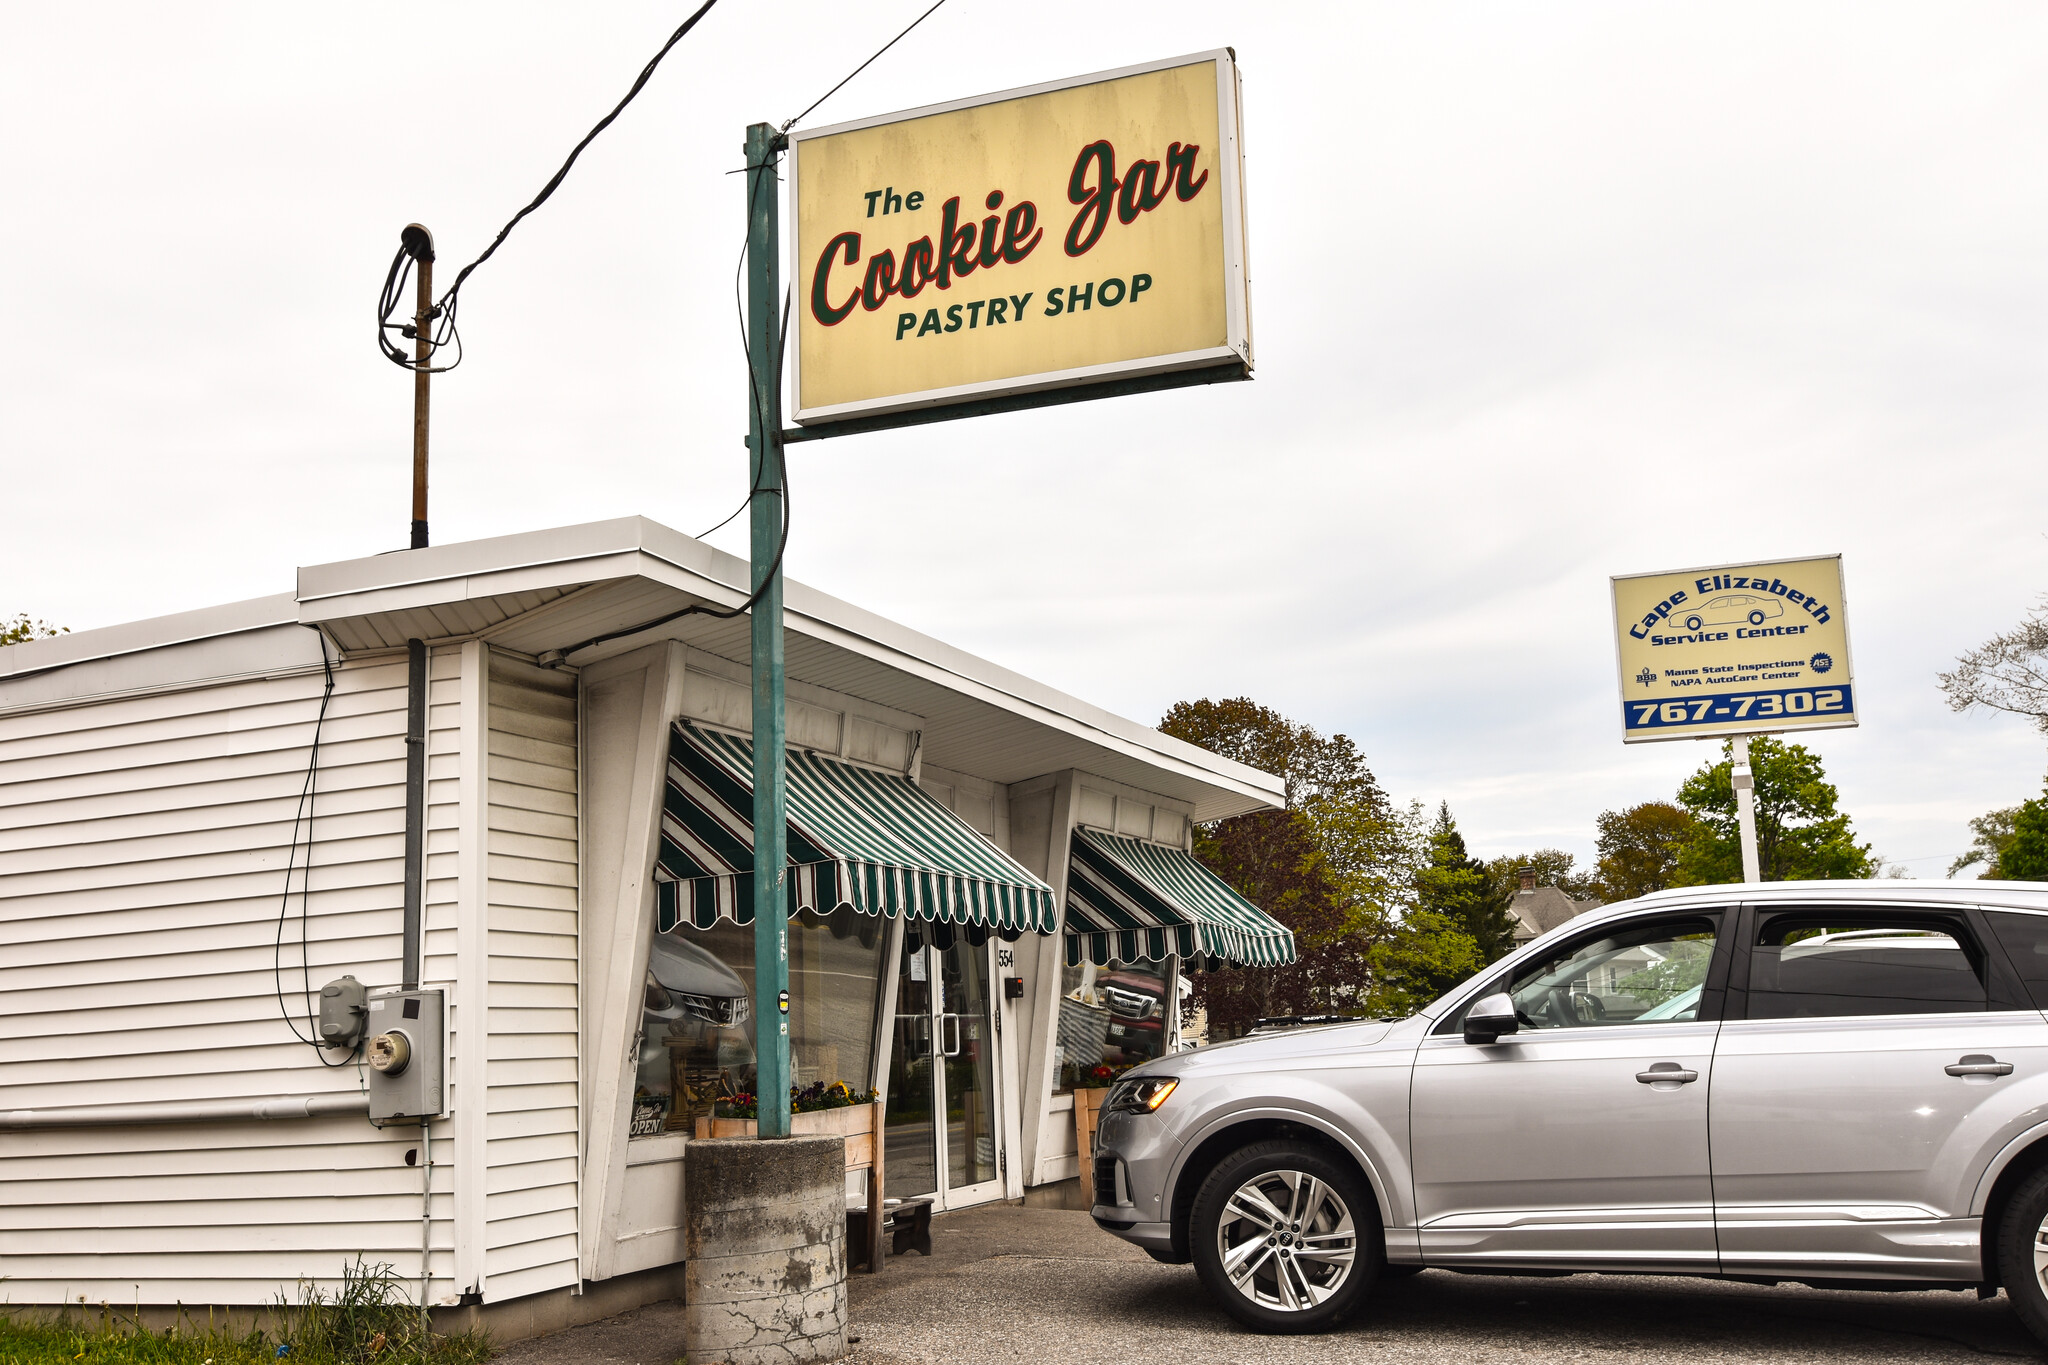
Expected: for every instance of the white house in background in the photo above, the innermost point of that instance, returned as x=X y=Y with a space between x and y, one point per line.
x=1539 y=909
x=157 y=981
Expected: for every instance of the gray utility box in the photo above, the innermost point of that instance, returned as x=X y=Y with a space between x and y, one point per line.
x=407 y=1051
x=343 y=1005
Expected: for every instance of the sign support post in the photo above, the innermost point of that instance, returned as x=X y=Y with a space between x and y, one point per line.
x=766 y=523
x=1745 y=806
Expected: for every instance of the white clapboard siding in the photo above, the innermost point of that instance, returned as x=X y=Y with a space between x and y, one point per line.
x=143 y=847
x=531 y=1193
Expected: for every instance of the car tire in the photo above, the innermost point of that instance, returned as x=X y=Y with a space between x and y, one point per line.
x=1693 y=623
x=1276 y=1293
x=2023 y=1256
x=1756 y=618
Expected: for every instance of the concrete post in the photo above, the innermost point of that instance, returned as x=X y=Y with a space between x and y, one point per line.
x=765 y=1248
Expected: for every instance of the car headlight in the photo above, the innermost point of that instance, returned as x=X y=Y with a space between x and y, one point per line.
x=1141 y=1096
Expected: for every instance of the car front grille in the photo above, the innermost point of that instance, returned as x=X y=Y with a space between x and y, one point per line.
x=1105 y=1180
x=725 y=1011
x=1129 y=1004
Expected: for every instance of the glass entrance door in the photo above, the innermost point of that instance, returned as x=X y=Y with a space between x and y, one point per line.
x=942 y=1136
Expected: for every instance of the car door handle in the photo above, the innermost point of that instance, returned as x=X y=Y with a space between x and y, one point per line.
x=1978 y=1064
x=1661 y=1072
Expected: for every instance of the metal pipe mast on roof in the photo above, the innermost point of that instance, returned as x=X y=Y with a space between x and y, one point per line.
x=766 y=514
x=420 y=243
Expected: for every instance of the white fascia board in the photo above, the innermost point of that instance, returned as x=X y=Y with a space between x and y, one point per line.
x=607 y=550
x=156 y=632
x=973 y=676
x=548 y=552
x=629 y=547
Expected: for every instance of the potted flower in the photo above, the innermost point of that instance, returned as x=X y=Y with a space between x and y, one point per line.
x=820 y=1107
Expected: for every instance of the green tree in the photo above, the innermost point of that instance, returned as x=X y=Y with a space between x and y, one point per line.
x=1991 y=832
x=21 y=628
x=1337 y=866
x=2025 y=859
x=2012 y=844
x=1800 y=835
x=1377 y=859
x=1417 y=959
x=1278 y=861
x=1639 y=848
x=1456 y=886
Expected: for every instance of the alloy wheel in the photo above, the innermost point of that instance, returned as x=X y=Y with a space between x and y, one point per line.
x=2041 y=1255
x=1288 y=1241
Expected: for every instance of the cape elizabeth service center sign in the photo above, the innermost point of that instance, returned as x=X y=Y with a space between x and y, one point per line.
x=1075 y=233
x=1739 y=649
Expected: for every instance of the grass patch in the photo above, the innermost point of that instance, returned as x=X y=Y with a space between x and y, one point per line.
x=368 y=1321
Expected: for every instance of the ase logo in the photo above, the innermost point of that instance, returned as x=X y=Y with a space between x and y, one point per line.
x=1821 y=662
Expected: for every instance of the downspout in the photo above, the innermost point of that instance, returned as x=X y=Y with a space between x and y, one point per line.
x=415 y=807
x=415 y=885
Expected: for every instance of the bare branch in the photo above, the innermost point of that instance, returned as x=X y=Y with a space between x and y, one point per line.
x=2008 y=672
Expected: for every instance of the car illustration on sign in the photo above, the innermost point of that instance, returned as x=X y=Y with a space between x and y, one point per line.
x=1732 y=607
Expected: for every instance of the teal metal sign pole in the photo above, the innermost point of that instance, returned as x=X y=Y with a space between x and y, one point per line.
x=771 y=863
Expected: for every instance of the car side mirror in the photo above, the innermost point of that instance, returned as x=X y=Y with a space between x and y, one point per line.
x=1490 y=1018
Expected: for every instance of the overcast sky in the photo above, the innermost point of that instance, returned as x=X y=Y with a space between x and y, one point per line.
x=1542 y=293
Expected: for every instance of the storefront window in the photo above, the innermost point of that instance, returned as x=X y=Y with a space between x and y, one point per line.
x=697 y=1031
x=1111 y=1019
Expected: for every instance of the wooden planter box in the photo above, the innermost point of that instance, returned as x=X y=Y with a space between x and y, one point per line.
x=1087 y=1104
x=855 y=1123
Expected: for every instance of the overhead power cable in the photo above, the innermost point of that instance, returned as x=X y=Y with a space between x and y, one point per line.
x=787 y=125
x=443 y=317
x=862 y=67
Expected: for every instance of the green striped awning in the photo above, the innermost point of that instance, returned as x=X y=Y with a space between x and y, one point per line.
x=1132 y=901
x=870 y=840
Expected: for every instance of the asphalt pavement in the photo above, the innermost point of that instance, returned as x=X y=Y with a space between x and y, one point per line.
x=1043 y=1287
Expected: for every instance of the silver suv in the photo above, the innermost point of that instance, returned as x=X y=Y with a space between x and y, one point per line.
x=1840 y=1083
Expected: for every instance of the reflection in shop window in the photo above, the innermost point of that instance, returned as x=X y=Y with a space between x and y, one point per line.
x=697 y=1030
x=1111 y=1019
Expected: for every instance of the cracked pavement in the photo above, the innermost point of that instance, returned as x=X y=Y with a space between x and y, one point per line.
x=1044 y=1286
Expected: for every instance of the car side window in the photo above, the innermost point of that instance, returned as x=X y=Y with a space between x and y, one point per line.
x=2025 y=938
x=1645 y=972
x=1650 y=973
x=1831 y=964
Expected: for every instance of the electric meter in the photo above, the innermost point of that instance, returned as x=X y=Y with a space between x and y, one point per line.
x=408 y=1042
x=389 y=1052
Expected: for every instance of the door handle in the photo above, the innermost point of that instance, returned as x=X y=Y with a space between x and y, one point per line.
x=1664 y=1072
x=950 y=1021
x=1979 y=1064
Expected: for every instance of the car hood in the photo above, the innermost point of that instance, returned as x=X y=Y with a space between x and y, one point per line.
x=1265 y=1049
